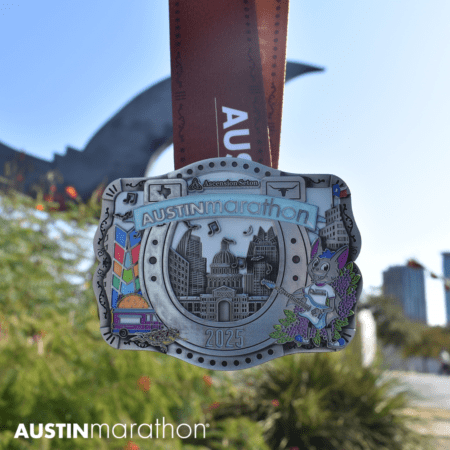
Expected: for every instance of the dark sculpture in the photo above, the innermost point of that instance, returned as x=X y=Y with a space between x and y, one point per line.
x=123 y=147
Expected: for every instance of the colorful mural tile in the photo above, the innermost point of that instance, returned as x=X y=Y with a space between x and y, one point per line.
x=116 y=282
x=127 y=275
x=125 y=266
x=127 y=262
x=119 y=253
x=114 y=298
x=127 y=288
x=117 y=268
x=121 y=236
x=135 y=253
x=134 y=238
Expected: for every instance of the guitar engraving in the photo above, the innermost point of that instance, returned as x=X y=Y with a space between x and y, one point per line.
x=314 y=312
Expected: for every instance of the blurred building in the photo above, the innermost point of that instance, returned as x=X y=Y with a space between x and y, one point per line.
x=407 y=284
x=446 y=264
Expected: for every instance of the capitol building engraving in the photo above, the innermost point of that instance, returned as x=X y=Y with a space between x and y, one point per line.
x=232 y=289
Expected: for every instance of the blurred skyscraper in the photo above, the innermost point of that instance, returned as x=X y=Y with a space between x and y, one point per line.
x=407 y=284
x=446 y=264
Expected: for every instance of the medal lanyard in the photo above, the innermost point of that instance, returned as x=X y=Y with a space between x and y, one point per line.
x=228 y=62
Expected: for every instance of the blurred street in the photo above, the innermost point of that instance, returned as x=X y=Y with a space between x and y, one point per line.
x=430 y=396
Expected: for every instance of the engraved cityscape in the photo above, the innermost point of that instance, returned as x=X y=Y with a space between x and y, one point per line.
x=232 y=289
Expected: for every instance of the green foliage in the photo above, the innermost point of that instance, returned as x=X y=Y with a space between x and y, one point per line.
x=432 y=341
x=55 y=367
x=322 y=401
x=290 y=318
x=393 y=327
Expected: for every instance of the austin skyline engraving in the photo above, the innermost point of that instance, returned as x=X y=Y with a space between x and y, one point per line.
x=232 y=290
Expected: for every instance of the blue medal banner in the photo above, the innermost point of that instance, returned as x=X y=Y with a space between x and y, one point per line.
x=226 y=205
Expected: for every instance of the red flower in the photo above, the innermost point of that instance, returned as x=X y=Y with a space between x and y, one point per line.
x=71 y=192
x=144 y=384
x=207 y=379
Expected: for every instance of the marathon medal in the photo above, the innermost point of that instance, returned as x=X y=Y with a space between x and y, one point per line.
x=227 y=263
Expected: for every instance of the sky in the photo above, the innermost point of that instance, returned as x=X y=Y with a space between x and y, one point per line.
x=378 y=117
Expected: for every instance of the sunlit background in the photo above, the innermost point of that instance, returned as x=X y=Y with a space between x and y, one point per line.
x=377 y=117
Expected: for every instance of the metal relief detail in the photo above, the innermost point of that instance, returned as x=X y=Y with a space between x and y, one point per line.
x=227 y=264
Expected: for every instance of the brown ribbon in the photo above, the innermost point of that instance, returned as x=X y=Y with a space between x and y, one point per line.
x=228 y=68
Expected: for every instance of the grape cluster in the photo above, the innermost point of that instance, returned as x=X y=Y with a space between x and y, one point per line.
x=299 y=327
x=341 y=285
x=346 y=305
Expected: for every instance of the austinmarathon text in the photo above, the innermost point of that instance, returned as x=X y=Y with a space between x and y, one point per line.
x=226 y=205
x=158 y=430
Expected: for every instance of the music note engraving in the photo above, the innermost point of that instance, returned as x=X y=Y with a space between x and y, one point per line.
x=131 y=198
x=214 y=228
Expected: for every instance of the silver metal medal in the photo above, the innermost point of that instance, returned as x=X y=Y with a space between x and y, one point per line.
x=227 y=264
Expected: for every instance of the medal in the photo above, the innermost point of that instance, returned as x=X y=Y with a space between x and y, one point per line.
x=227 y=262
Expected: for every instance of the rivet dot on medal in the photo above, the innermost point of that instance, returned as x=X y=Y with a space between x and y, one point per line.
x=152 y=260
x=189 y=171
x=236 y=363
x=224 y=364
x=234 y=164
x=248 y=360
x=179 y=351
x=270 y=352
x=223 y=163
x=296 y=259
x=211 y=165
x=201 y=359
x=153 y=278
x=295 y=278
x=155 y=242
x=245 y=166
x=259 y=356
x=179 y=175
x=190 y=355
x=256 y=169
x=268 y=174
x=293 y=241
x=200 y=167
x=212 y=362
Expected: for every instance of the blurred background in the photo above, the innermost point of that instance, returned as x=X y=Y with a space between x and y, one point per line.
x=376 y=116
